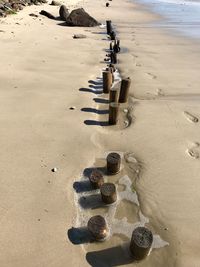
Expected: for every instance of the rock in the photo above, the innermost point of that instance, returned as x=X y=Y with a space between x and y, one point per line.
x=55 y=3
x=33 y=15
x=54 y=169
x=107 y=4
x=2 y=13
x=47 y=14
x=64 y=13
x=79 y=36
x=78 y=17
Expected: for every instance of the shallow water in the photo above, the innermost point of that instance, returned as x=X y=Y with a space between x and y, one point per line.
x=179 y=15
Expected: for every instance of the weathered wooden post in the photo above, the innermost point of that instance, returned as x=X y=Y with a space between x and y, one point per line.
x=108 y=26
x=108 y=193
x=114 y=94
x=111 y=46
x=96 y=179
x=124 y=90
x=113 y=58
x=141 y=242
x=113 y=113
x=112 y=72
x=112 y=35
x=116 y=47
x=107 y=81
x=97 y=227
x=113 y=163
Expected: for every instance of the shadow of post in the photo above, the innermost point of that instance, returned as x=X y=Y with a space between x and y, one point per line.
x=79 y=235
x=91 y=202
x=116 y=256
x=82 y=186
x=96 y=111
x=97 y=123
x=88 y=90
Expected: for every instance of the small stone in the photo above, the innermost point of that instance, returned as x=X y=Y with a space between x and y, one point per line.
x=79 y=36
x=54 y=169
x=125 y=110
x=33 y=15
x=72 y=108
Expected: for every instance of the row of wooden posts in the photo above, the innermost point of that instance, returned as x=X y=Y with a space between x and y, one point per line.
x=142 y=238
x=117 y=95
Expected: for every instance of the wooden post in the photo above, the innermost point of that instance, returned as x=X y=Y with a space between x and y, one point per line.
x=108 y=193
x=124 y=90
x=113 y=163
x=114 y=94
x=141 y=242
x=113 y=113
x=111 y=46
x=112 y=72
x=116 y=47
x=108 y=26
x=112 y=35
x=113 y=58
x=107 y=81
x=97 y=227
x=96 y=179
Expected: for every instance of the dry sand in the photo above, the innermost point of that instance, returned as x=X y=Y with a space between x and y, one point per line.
x=42 y=70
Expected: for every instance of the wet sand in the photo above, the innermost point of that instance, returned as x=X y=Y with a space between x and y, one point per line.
x=46 y=74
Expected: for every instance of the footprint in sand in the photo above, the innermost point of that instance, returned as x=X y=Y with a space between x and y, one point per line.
x=190 y=117
x=194 y=151
x=160 y=92
x=152 y=75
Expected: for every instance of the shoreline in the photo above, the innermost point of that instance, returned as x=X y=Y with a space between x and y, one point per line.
x=45 y=81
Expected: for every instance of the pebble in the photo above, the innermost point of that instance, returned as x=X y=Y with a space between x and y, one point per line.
x=54 y=169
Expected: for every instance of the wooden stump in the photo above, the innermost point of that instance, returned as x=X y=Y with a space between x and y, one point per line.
x=97 y=227
x=113 y=113
x=124 y=90
x=111 y=46
x=96 y=179
x=112 y=35
x=116 y=47
x=107 y=81
x=141 y=242
x=108 y=193
x=113 y=163
x=113 y=58
x=108 y=26
x=114 y=94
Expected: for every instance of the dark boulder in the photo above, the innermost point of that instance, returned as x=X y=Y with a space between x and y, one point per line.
x=2 y=13
x=55 y=3
x=78 y=17
x=47 y=14
x=64 y=13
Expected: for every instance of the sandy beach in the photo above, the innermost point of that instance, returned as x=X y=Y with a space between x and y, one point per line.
x=53 y=116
